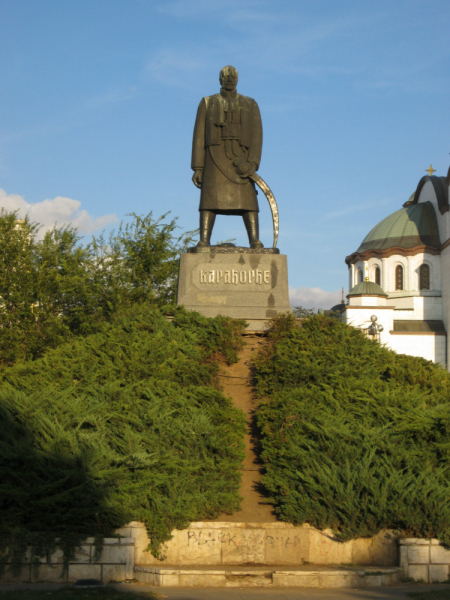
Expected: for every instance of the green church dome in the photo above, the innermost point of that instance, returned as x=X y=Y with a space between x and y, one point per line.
x=367 y=288
x=411 y=226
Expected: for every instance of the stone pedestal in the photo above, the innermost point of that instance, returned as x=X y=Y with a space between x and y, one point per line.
x=241 y=283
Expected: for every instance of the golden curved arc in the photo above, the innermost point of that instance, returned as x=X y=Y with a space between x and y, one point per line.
x=272 y=203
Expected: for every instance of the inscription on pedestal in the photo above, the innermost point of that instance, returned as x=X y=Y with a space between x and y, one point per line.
x=234 y=276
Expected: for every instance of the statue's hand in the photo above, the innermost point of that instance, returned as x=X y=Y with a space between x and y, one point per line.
x=246 y=169
x=197 y=177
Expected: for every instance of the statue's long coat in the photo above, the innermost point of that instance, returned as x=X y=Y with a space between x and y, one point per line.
x=227 y=128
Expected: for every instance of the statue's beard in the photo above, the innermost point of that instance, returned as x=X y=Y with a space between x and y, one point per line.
x=228 y=89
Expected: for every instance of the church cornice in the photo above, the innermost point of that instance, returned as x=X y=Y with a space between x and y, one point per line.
x=434 y=333
x=374 y=307
x=351 y=259
x=445 y=245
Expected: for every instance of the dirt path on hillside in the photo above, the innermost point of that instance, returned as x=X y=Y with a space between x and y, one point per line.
x=237 y=384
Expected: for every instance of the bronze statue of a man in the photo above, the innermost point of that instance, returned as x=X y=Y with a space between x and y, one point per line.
x=226 y=150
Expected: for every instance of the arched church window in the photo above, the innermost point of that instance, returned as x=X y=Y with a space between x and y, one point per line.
x=424 y=275
x=360 y=276
x=398 y=277
x=378 y=275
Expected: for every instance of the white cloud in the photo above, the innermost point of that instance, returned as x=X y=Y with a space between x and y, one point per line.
x=174 y=67
x=59 y=211
x=113 y=97
x=314 y=297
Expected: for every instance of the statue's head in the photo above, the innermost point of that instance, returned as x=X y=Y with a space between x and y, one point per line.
x=228 y=78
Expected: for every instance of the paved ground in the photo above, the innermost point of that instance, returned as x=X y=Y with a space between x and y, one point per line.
x=397 y=593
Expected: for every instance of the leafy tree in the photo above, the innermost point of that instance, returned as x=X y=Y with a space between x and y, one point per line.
x=355 y=437
x=301 y=312
x=21 y=319
x=139 y=262
x=54 y=288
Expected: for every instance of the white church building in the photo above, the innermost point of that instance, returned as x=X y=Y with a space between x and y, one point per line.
x=400 y=274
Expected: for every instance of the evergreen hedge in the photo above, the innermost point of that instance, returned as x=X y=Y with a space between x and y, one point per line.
x=126 y=424
x=355 y=437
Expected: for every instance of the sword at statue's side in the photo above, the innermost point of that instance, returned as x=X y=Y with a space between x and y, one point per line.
x=272 y=202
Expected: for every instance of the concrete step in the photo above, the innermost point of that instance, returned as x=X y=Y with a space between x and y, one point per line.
x=308 y=576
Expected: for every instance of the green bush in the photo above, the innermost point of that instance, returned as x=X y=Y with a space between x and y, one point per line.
x=355 y=437
x=126 y=424
x=56 y=288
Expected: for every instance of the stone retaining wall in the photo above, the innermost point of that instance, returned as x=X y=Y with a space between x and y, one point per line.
x=424 y=560
x=221 y=544
x=116 y=564
x=224 y=543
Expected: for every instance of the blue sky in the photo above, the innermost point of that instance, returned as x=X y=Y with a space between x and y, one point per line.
x=98 y=100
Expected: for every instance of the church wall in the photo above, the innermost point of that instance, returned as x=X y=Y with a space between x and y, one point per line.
x=423 y=304
x=427 y=194
x=411 y=271
x=425 y=345
x=404 y=302
x=373 y=301
x=391 y=264
x=433 y=261
x=357 y=268
x=418 y=308
x=445 y=269
x=360 y=317
x=429 y=346
x=373 y=263
x=431 y=306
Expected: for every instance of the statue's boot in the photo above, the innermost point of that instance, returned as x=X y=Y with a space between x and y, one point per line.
x=251 y=221
x=207 y=219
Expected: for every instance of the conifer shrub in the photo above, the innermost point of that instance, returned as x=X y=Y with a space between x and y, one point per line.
x=355 y=437
x=126 y=424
